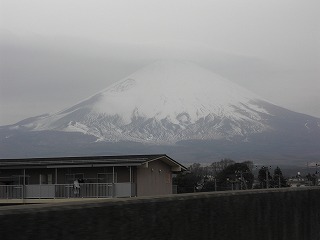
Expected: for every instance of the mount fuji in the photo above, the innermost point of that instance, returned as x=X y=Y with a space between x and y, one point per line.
x=176 y=106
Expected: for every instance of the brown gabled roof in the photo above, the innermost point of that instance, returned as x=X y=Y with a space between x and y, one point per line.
x=86 y=161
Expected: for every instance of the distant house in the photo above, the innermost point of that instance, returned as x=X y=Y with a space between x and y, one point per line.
x=87 y=177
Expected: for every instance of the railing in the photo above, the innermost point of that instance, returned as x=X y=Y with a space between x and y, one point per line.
x=174 y=189
x=86 y=190
x=11 y=191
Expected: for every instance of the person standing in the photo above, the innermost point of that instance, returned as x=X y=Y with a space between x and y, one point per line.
x=76 y=187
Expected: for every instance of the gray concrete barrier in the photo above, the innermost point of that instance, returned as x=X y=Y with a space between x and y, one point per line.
x=286 y=214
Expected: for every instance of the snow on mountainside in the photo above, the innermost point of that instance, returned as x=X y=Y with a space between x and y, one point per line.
x=165 y=102
x=177 y=108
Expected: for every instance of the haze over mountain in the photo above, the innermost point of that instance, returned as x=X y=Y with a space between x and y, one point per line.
x=173 y=106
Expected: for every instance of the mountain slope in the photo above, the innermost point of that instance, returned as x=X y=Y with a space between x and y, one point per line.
x=171 y=106
x=165 y=102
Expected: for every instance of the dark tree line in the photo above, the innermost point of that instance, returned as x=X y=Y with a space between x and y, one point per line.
x=219 y=176
x=237 y=176
x=312 y=178
x=227 y=175
x=268 y=181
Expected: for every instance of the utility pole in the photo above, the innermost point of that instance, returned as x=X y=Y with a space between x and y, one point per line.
x=267 y=176
x=24 y=184
x=241 y=178
x=317 y=173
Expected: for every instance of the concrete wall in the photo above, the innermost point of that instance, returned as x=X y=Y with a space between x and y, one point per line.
x=286 y=214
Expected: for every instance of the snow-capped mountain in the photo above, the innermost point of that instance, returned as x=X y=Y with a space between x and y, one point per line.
x=165 y=102
x=172 y=104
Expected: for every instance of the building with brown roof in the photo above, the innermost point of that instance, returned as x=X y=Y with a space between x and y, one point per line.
x=87 y=177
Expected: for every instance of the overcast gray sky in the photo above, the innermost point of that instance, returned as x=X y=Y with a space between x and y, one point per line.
x=55 y=53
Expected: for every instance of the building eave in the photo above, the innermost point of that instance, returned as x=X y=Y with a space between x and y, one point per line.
x=89 y=161
x=175 y=166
